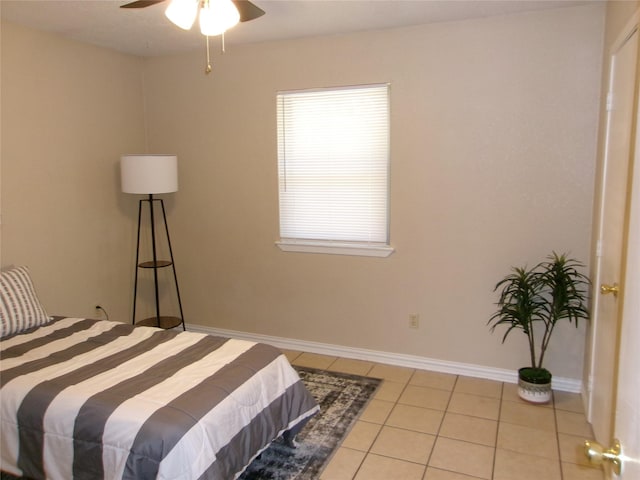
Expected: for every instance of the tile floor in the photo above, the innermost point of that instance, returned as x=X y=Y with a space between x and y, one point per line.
x=424 y=425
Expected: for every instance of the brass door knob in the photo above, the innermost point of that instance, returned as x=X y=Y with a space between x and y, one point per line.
x=596 y=454
x=606 y=289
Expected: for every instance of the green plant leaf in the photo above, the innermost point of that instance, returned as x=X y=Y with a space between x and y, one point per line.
x=553 y=290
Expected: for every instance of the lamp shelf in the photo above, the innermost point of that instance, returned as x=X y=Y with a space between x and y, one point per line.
x=158 y=320
x=156 y=264
x=166 y=322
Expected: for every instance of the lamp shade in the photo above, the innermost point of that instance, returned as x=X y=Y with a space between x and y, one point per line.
x=217 y=16
x=182 y=12
x=149 y=173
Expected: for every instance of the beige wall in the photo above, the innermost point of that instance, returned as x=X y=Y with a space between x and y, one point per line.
x=493 y=154
x=494 y=127
x=618 y=14
x=68 y=112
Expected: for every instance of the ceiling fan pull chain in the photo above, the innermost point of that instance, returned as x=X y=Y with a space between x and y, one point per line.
x=223 y=42
x=208 y=69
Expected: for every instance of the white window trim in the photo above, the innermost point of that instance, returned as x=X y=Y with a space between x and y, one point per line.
x=334 y=248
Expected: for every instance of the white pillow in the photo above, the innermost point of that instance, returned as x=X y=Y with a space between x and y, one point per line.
x=20 y=308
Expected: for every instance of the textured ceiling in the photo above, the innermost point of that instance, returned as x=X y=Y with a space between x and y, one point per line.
x=147 y=32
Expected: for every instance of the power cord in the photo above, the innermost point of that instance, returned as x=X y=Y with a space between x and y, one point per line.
x=99 y=308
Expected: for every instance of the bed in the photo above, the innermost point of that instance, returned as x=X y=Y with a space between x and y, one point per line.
x=85 y=398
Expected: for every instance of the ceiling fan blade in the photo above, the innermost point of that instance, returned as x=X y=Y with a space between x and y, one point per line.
x=141 y=3
x=248 y=11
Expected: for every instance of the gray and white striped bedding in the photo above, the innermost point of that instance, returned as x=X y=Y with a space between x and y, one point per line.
x=88 y=399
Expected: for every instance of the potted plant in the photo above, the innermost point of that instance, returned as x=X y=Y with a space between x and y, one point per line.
x=534 y=301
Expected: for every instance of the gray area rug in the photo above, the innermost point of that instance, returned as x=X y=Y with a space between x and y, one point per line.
x=342 y=397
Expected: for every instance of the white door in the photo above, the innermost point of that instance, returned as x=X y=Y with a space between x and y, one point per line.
x=627 y=409
x=606 y=307
x=614 y=406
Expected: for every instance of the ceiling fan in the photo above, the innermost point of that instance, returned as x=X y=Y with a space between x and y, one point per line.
x=216 y=16
x=248 y=11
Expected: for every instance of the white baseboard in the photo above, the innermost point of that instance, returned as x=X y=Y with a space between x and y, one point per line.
x=398 y=359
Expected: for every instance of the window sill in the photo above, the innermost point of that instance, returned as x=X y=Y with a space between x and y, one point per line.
x=335 y=248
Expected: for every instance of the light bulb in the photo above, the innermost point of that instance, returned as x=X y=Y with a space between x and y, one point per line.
x=182 y=12
x=217 y=16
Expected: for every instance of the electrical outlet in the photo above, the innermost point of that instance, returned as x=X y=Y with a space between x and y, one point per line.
x=414 y=320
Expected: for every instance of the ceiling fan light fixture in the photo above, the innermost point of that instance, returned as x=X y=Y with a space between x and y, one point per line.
x=182 y=12
x=217 y=16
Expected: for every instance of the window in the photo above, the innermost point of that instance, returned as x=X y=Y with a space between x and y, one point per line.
x=333 y=170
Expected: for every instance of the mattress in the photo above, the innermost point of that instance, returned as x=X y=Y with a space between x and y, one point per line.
x=84 y=398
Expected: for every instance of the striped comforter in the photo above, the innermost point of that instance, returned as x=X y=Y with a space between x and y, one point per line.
x=89 y=399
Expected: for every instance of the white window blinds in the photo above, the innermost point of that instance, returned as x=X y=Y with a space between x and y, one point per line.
x=333 y=164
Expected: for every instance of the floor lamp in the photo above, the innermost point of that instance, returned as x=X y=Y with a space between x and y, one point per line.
x=151 y=175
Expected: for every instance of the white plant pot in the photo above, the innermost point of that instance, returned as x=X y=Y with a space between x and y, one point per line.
x=534 y=392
